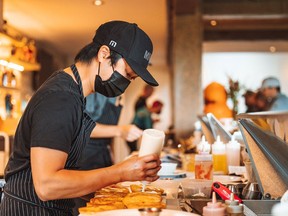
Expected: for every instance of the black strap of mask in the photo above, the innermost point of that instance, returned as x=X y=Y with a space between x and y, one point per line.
x=99 y=68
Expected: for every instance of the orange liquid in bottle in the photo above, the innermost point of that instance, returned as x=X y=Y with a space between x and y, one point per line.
x=220 y=163
x=204 y=170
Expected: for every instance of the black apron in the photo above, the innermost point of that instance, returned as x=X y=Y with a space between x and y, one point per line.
x=97 y=152
x=20 y=198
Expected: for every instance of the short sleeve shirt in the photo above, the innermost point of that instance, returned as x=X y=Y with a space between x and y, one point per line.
x=52 y=119
x=280 y=104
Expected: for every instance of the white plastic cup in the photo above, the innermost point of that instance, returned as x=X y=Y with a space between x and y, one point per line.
x=167 y=169
x=152 y=142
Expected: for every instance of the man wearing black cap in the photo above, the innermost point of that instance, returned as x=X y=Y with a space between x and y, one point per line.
x=41 y=175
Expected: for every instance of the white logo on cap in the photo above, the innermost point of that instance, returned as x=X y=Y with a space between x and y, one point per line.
x=147 y=55
x=113 y=43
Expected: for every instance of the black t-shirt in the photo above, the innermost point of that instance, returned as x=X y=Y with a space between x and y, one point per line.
x=52 y=119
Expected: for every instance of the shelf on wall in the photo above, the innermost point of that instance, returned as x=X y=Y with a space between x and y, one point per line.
x=27 y=66
x=12 y=40
x=9 y=88
x=9 y=40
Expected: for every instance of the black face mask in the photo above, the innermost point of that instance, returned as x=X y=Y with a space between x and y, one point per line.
x=113 y=87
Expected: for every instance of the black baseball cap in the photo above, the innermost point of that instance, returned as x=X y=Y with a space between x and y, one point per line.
x=131 y=42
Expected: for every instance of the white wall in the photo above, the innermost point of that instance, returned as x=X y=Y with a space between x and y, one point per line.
x=249 y=68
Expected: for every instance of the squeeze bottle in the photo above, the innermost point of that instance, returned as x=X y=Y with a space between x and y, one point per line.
x=203 y=161
x=233 y=208
x=214 y=208
x=233 y=152
x=219 y=157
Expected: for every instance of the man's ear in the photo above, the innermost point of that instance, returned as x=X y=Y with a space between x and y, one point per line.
x=103 y=53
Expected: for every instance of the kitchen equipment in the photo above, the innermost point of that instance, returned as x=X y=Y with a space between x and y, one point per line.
x=265 y=136
x=224 y=192
x=149 y=211
x=234 y=189
x=196 y=188
x=251 y=191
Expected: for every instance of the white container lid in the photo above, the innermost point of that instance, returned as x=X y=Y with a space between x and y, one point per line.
x=204 y=156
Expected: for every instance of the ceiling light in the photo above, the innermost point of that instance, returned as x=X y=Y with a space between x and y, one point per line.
x=213 y=22
x=272 y=49
x=98 y=2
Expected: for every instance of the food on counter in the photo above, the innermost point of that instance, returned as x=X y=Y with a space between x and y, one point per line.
x=92 y=209
x=106 y=199
x=143 y=200
x=148 y=188
x=120 y=197
x=113 y=189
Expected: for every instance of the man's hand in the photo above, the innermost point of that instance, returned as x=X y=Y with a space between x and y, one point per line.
x=139 y=168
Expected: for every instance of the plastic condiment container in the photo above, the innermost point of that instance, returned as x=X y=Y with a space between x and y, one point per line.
x=219 y=157
x=214 y=208
x=233 y=208
x=203 y=166
x=233 y=152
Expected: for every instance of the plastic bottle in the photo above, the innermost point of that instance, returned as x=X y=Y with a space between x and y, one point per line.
x=203 y=146
x=214 y=208
x=233 y=152
x=219 y=157
x=203 y=166
x=203 y=161
x=233 y=208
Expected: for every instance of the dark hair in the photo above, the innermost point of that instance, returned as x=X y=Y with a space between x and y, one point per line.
x=87 y=53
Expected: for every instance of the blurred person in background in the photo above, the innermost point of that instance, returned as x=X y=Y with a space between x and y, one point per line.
x=215 y=98
x=272 y=91
x=147 y=91
x=262 y=104
x=250 y=101
x=256 y=101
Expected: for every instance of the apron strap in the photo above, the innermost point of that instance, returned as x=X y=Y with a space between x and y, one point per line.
x=12 y=196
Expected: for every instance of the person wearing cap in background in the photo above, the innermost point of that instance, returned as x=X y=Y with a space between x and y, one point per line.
x=41 y=175
x=272 y=91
